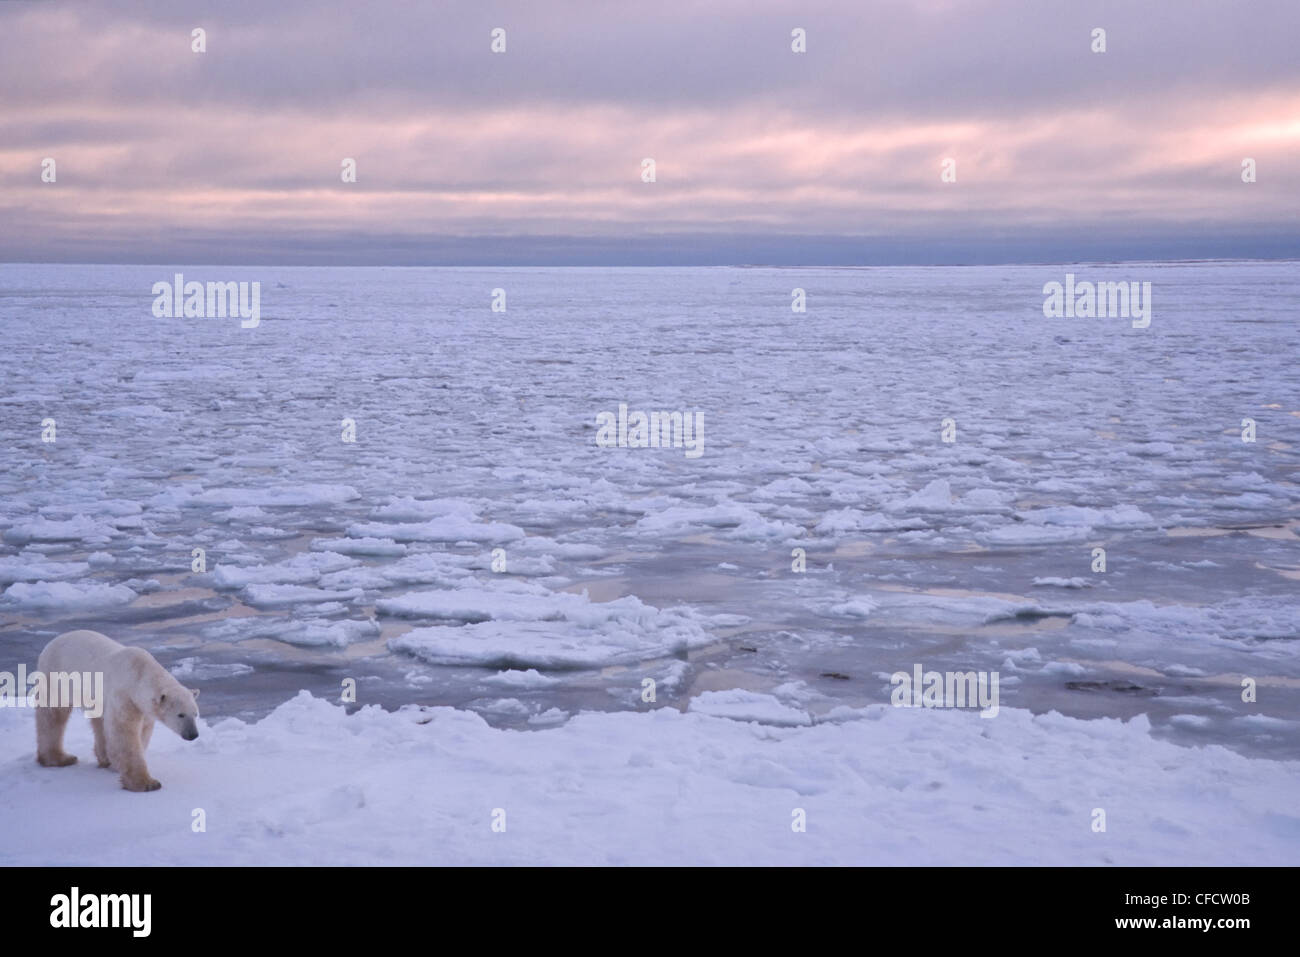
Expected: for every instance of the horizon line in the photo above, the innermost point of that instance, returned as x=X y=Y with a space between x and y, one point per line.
x=773 y=265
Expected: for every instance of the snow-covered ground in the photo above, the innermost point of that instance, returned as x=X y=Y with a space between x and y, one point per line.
x=476 y=443
x=311 y=785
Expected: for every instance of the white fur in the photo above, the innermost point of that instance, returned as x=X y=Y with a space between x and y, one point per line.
x=137 y=692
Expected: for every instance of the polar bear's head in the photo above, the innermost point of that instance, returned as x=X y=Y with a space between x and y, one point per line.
x=176 y=707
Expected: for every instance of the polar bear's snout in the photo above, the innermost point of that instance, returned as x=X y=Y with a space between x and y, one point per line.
x=179 y=711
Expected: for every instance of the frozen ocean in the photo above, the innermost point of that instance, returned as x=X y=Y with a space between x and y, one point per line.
x=921 y=469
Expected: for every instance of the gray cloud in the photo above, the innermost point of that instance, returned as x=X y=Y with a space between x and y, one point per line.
x=158 y=146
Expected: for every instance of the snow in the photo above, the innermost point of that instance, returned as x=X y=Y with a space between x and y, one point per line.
x=310 y=632
x=359 y=546
x=936 y=496
x=301 y=569
x=742 y=705
x=279 y=596
x=878 y=785
x=530 y=678
x=22 y=568
x=529 y=627
x=80 y=528
x=64 y=596
x=191 y=669
x=1036 y=535
x=854 y=608
x=1121 y=516
x=297 y=495
x=449 y=528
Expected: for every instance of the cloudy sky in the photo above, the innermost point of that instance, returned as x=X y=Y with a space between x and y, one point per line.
x=762 y=155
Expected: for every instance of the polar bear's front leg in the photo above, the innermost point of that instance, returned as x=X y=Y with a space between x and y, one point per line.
x=125 y=751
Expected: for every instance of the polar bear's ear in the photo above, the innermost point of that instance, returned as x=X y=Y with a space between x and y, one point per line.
x=195 y=692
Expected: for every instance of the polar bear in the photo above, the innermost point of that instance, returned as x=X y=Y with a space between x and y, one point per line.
x=137 y=691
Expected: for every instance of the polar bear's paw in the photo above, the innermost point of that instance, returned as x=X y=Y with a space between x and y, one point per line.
x=141 y=784
x=59 y=760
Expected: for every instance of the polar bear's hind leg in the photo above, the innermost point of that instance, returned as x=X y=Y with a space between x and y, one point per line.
x=50 y=724
x=101 y=747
